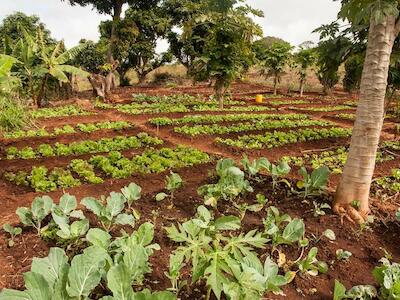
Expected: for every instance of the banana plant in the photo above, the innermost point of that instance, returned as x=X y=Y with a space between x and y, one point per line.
x=109 y=210
x=54 y=63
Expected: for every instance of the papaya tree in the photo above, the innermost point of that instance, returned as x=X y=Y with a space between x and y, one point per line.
x=227 y=48
x=304 y=59
x=382 y=17
x=274 y=59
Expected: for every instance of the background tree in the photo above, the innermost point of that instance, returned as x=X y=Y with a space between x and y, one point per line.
x=228 y=46
x=304 y=59
x=353 y=71
x=384 y=26
x=274 y=59
x=138 y=34
x=332 y=51
x=13 y=26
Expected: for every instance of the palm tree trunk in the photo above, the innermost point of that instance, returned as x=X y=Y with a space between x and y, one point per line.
x=357 y=174
x=219 y=86
x=275 y=85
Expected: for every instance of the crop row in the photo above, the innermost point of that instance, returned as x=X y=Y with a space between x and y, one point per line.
x=153 y=108
x=323 y=108
x=62 y=111
x=87 y=128
x=242 y=127
x=118 y=143
x=204 y=119
x=279 y=138
x=185 y=99
x=289 y=102
x=113 y=165
x=351 y=117
x=333 y=159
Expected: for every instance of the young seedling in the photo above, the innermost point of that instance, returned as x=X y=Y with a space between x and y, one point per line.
x=278 y=171
x=343 y=255
x=13 y=231
x=311 y=265
x=253 y=168
x=109 y=210
x=172 y=183
x=365 y=292
x=313 y=184
x=40 y=209
x=132 y=193
x=319 y=208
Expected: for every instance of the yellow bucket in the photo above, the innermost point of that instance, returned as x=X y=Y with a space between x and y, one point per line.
x=259 y=98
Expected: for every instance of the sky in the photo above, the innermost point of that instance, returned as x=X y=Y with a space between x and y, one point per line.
x=292 y=20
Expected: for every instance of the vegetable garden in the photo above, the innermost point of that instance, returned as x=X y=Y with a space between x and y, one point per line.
x=209 y=185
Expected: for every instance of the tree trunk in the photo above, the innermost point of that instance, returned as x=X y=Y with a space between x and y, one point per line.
x=142 y=78
x=301 y=87
x=357 y=174
x=275 y=85
x=219 y=87
x=113 y=37
x=42 y=90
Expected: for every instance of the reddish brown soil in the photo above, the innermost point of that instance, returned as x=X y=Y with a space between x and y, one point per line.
x=367 y=247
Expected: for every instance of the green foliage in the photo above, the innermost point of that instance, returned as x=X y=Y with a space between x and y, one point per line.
x=304 y=59
x=62 y=111
x=280 y=138
x=227 y=263
x=40 y=209
x=117 y=143
x=353 y=68
x=391 y=183
x=13 y=232
x=274 y=59
x=132 y=193
x=365 y=292
x=324 y=109
x=311 y=265
x=315 y=183
x=388 y=277
x=85 y=171
x=172 y=183
x=282 y=229
x=343 y=255
x=109 y=210
x=201 y=119
x=241 y=127
x=231 y=184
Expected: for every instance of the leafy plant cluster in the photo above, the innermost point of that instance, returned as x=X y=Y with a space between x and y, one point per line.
x=203 y=119
x=324 y=109
x=114 y=165
x=333 y=159
x=241 y=127
x=211 y=107
x=289 y=102
x=225 y=258
x=185 y=99
x=83 y=147
x=101 y=265
x=350 y=117
x=389 y=183
x=62 y=111
x=387 y=275
x=280 y=138
x=41 y=180
x=87 y=128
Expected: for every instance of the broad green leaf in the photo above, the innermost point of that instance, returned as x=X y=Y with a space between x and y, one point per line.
x=79 y=228
x=25 y=216
x=147 y=295
x=136 y=260
x=125 y=219
x=37 y=286
x=98 y=237
x=7 y=294
x=329 y=234
x=41 y=207
x=294 y=231
x=319 y=177
x=227 y=223
x=50 y=267
x=161 y=196
x=119 y=281
x=145 y=234
x=339 y=292
x=67 y=203
x=93 y=205
x=115 y=204
x=85 y=274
